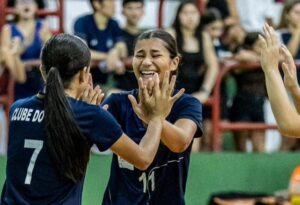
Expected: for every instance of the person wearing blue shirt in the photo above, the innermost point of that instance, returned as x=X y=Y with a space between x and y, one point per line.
x=104 y=37
x=50 y=134
x=32 y=34
x=164 y=182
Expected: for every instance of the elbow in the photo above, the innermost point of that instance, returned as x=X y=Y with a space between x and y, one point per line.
x=144 y=163
x=180 y=147
x=289 y=129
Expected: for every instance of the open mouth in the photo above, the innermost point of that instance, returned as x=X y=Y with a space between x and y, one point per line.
x=147 y=74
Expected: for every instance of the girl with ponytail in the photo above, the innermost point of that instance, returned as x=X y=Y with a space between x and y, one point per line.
x=51 y=133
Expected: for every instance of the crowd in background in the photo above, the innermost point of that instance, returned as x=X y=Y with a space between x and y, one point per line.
x=226 y=31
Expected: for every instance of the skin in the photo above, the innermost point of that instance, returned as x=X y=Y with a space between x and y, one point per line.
x=103 y=12
x=133 y=12
x=152 y=55
x=289 y=119
x=293 y=19
x=12 y=48
x=142 y=155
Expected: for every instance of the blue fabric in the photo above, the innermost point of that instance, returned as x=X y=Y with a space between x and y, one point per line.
x=34 y=81
x=46 y=186
x=166 y=177
x=99 y=40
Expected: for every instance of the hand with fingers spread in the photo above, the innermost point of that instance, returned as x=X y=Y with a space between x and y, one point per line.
x=270 y=49
x=92 y=95
x=155 y=101
x=289 y=70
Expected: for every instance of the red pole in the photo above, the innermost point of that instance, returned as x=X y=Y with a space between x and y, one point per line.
x=61 y=7
x=201 y=6
x=160 y=13
x=2 y=13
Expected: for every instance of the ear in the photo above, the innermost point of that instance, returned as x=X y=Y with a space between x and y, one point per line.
x=43 y=72
x=84 y=75
x=175 y=63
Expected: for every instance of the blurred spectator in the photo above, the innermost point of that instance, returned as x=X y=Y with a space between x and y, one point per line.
x=250 y=97
x=104 y=37
x=199 y=68
x=212 y=23
x=133 y=11
x=27 y=34
x=289 y=27
x=228 y=11
x=289 y=34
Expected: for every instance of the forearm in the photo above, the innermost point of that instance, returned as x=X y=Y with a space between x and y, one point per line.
x=210 y=78
x=293 y=44
x=174 y=137
x=286 y=119
x=16 y=68
x=296 y=98
x=98 y=56
x=151 y=139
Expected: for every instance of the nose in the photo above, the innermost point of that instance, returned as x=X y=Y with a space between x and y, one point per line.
x=147 y=62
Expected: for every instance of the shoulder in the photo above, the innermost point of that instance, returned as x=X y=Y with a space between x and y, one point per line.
x=186 y=100
x=84 y=19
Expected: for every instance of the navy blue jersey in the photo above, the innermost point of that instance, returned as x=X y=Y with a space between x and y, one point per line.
x=99 y=40
x=164 y=181
x=31 y=177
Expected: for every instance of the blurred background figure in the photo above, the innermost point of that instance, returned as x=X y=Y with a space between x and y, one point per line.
x=248 y=104
x=133 y=11
x=104 y=37
x=199 y=68
x=27 y=35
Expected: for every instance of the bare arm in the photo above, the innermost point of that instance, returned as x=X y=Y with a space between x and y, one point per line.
x=11 y=50
x=142 y=155
x=286 y=116
x=98 y=56
x=293 y=44
x=178 y=136
x=211 y=62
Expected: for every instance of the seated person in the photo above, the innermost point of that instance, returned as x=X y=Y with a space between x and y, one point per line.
x=133 y=11
x=30 y=34
x=104 y=37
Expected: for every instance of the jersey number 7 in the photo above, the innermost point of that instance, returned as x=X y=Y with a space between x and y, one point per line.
x=37 y=145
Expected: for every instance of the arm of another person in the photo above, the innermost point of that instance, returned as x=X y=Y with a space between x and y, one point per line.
x=287 y=118
x=294 y=42
x=142 y=155
x=212 y=69
x=11 y=50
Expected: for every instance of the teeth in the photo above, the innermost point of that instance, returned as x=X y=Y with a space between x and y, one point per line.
x=148 y=72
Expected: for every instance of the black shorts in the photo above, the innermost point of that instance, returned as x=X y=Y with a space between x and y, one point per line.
x=247 y=108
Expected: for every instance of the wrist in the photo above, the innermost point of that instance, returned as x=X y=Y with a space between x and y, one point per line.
x=294 y=89
x=156 y=119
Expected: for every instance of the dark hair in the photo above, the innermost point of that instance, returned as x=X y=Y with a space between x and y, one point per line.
x=177 y=25
x=210 y=15
x=288 y=6
x=170 y=42
x=91 y=2
x=63 y=56
x=129 y=1
x=40 y=3
x=250 y=39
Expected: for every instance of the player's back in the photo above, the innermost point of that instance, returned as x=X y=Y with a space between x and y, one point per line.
x=31 y=177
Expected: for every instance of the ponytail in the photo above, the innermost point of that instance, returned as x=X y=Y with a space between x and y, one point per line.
x=67 y=146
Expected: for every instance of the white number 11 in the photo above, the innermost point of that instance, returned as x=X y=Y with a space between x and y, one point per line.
x=37 y=145
x=151 y=178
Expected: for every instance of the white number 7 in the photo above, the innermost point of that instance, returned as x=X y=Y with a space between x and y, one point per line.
x=37 y=145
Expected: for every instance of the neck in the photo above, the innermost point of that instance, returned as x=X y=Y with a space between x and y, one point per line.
x=73 y=93
x=130 y=28
x=26 y=21
x=187 y=32
x=101 y=20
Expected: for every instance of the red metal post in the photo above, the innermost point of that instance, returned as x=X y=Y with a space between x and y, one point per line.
x=160 y=13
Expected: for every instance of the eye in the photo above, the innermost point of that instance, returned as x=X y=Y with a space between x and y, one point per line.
x=139 y=56
x=156 y=55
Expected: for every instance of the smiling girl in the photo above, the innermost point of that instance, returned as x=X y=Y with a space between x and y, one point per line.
x=164 y=182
